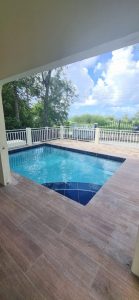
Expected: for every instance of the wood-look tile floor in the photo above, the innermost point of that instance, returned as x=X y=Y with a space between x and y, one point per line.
x=53 y=248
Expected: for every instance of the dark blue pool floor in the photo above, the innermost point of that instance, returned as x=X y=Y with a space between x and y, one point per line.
x=77 y=191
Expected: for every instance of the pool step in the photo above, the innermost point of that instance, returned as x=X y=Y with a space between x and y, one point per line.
x=77 y=191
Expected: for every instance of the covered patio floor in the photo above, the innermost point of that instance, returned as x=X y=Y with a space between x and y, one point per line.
x=53 y=248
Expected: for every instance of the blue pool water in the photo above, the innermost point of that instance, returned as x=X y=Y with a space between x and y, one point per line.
x=70 y=173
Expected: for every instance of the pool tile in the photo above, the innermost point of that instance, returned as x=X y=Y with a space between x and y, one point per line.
x=59 y=185
x=94 y=187
x=88 y=186
x=81 y=192
x=85 y=196
x=72 y=194
x=71 y=185
x=62 y=192
x=49 y=185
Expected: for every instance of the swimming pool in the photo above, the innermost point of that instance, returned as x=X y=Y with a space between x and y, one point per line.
x=74 y=174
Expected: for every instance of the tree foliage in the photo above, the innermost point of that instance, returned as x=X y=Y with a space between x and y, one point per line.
x=17 y=112
x=108 y=121
x=136 y=118
x=40 y=100
x=91 y=119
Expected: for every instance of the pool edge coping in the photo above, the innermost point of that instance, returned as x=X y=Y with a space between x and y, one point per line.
x=100 y=155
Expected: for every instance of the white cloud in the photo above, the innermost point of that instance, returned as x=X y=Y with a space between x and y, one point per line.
x=78 y=74
x=89 y=62
x=119 y=83
x=117 y=88
x=98 y=67
x=88 y=102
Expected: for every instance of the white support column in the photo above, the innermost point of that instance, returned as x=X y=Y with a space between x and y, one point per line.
x=61 y=132
x=135 y=264
x=97 y=135
x=29 y=137
x=5 y=176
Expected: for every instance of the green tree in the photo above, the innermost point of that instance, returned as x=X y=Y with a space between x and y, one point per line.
x=9 y=106
x=136 y=118
x=56 y=95
x=46 y=82
x=37 y=114
x=40 y=100
x=91 y=119
x=17 y=97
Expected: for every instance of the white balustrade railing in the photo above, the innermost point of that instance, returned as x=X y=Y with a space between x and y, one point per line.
x=45 y=134
x=119 y=136
x=16 y=137
x=29 y=136
x=80 y=134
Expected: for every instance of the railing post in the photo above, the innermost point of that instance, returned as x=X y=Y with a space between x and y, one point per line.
x=46 y=133
x=61 y=132
x=97 y=135
x=29 y=137
x=135 y=264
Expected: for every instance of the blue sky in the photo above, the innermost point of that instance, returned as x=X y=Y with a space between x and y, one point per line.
x=107 y=84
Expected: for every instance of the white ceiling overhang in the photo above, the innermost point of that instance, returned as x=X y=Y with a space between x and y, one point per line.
x=37 y=34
